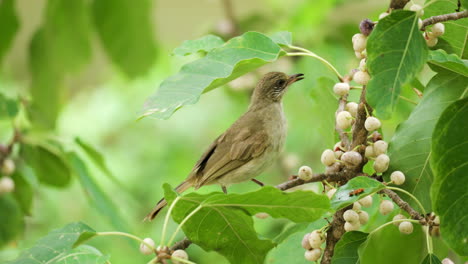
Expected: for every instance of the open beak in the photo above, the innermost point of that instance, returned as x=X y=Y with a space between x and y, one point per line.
x=295 y=77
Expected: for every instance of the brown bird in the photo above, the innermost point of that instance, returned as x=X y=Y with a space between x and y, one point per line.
x=250 y=145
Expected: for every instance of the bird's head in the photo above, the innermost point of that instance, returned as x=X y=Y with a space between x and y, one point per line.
x=273 y=85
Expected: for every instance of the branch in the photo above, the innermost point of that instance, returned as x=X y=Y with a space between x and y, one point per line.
x=398 y=4
x=359 y=131
x=442 y=18
x=404 y=205
x=183 y=244
x=332 y=177
x=334 y=234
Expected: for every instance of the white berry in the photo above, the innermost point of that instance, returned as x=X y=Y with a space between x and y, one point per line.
x=338 y=154
x=369 y=152
x=398 y=217
x=359 y=55
x=350 y=216
x=380 y=147
x=352 y=226
x=384 y=14
x=359 y=42
x=352 y=108
x=144 y=248
x=344 y=120
x=356 y=206
x=447 y=261
x=361 y=77
x=420 y=23
x=8 y=167
x=179 y=253
x=362 y=65
x=372 y=123
x=305 y=173
x=431 y=42
x=316 y=239
x=331 y=192
x=438 y=29
x=341 y=88
x=313 y=255
x=305 y=242
x=381 y=163
x=351 y=158
x=7 y=185
x=397 y=177
x=406 y=227
x=366 y=201
x=363 y=217
x=386 y=207
x=418 y=9
x=328 y=157
x=437 y=220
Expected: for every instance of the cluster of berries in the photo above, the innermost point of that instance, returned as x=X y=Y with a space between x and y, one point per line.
x=179 y=253
x=7 y=184
x=312 y=243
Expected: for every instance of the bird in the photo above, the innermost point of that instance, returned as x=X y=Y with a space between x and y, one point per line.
x=249 y=145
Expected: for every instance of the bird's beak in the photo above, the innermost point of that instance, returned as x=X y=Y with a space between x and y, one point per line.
x=295 y=77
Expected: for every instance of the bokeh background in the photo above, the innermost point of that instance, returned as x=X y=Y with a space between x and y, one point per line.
x=101 y=100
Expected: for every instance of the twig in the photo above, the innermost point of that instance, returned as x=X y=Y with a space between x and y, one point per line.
x=443 y=18
x=398 y=4
x=332 y=177
x=183 y=244
x=359 y=131
x=404 y=205
x=334 y=234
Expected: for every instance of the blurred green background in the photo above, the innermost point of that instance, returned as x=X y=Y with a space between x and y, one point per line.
x=101 y=99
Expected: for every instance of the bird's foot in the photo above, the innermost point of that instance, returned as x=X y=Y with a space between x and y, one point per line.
x=258 y=182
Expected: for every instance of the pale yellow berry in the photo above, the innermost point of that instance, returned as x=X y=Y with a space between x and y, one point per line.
x=341 y=88
x=431 y=41
x=369 y=152
x=144 y=249
x=386 y=207
x=397 y=177
x=328 y=157
x=438 y=29
x=344 y=120
x=366 y=201
x=381 y=163
x=8 y=167
x=350 y=216
x=305 y=173
x=356 y=206
x=179 y=253
x=352 y=226
x=406 y=227
x=7 y=185
x=359 y=42
x=313 y=255
x=418 y=9
x=372 y=123
x=437 y=220
x=359 y=55
x=316 y=239
x=363 y=217
x=351 y=159
x=362 y=65
x=361 y=77
x=305 y=242
x=380 y=147
x=352 y=108
x=398 y=217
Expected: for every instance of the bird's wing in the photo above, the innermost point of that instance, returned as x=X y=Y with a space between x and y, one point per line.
x=230 y=151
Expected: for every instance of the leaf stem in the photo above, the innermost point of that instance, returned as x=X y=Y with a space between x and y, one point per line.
x=394 y=221
x=306 y=52
x=410 y=195
x=115 y=233
x=408 y=100
x=166 y=220
x=428 y=240
x=182 y=260
x=153 y=260
x=183 y=222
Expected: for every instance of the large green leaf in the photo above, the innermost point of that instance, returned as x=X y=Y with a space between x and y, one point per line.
x=389 y=246
x=396 y=52
x=205 y=44
x=282 y=38
x=48 y=163
x=342 y=197
x=57 y=246
x=126 y=32
x=410 y=147
x=455 y=38
x=23 y=192
x=223 y=222
x=60 y=46
x=235 y=58
x=346 y=250
x=99 y=199
x=9 y=25
x=451 y=62
x=8 y=107
x=11 y=221
x=450 y=163
x=431 y=259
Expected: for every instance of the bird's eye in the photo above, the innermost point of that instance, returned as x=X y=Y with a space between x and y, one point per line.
x=280 y=83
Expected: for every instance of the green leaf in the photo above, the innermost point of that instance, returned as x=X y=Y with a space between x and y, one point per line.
x=290 y=231
x=235 y=58
x=62 y=45
x=55 y=245
x=450 y=163
x=23 y=192
x=342 y=198
x=410 y=148
x=205 y=44
x=282 y=38
x=346 y=250
x=8 y=107
x=223 y=222
x=455 y=38
x=99 y=199
x=82 y=254
x=396 y=52
x=9 y=25
x=440 y=59
x=389 y=246
x=48 y=164
x=12 y=222
x=431 y=259
x=126 y=33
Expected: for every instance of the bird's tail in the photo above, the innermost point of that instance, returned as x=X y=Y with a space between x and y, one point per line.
x=162 y=203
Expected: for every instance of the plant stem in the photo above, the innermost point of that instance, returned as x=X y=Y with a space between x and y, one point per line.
x=394 y=221
x=126 y=235
x=410 y=195
x=428 y=240
x=152 y=261
x=182 y=260
x=183 y=222
x=166 y=220
x=306 y=52
x=408 y=100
